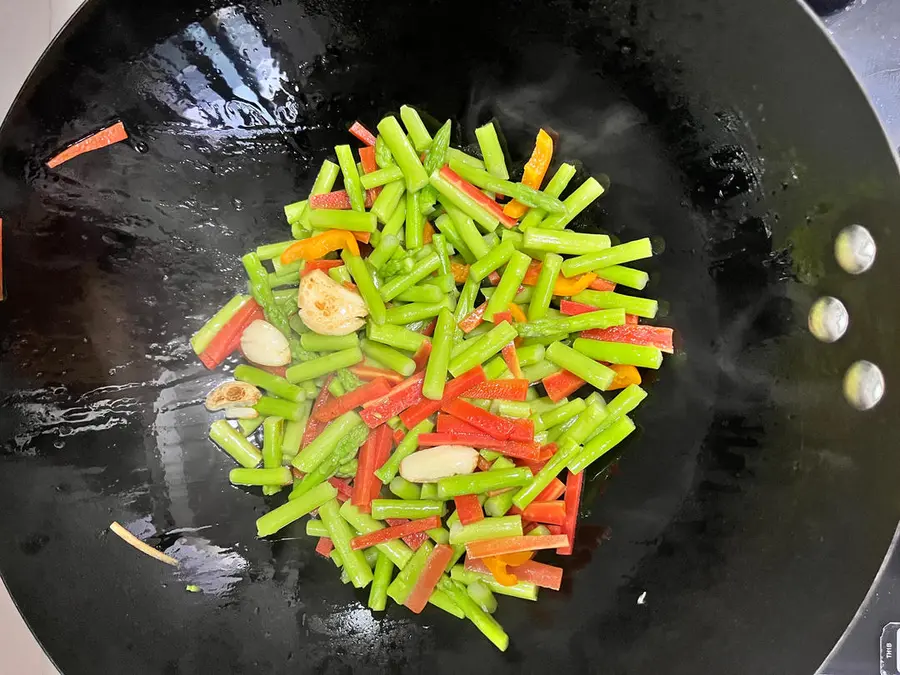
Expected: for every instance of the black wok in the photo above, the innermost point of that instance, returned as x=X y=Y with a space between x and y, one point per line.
x=752 y=510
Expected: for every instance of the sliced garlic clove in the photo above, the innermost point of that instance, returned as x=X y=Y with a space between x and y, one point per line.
x=232 y=395
x=241 y=413
x=329 y=308
x=432 y=464
x=265 y=345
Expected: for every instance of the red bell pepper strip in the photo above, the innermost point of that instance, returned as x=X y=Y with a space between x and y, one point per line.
x=398 y=399
x=555 y=529
x=494 y=547
x=500 y=317
x=571 y=307
x=394 y=532
x=337 y=200
x=631 y=318
x=398 y=435
x=324 y=547
x=369 y=373
x=511 y=358
x=383 y=446
x=473 y=319
x=469 y=509
x=510 y=448
x=365 y=471
x=415 y=539
x=535 y=170
x=645 y=336
x=539 y=574
x=574 y=485
x=545 y=512
x=547 y=451
x=494 y=278
x=421 y=356
x=452 y=390
x=324 y=265
x=561 y=384
x=551 y=492
x=523 y=431
x=342 y=485
x=449 y=424
x=507 y=390
x=367 y=159
x=429 y=329
x=434 y=568
x=363 y=134
x=228 y=339
x=483 y=200
x=476 y=440
x=493 y=425
x=599 y=284
x=101 y=139
x=313 y=426
x=353 y=399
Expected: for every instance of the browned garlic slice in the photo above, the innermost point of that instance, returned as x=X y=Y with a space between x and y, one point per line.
x=329 y=308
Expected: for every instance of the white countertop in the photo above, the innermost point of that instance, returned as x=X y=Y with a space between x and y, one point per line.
x=26 y=28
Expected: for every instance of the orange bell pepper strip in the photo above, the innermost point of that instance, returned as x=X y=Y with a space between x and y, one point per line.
x=429 y=232
x=563 y=286
x=498 y=570
x=625 y=375
x=517 y=314
x=514 y=559
x=316 y=247
x=573 y=286
x=487 y=548
x=460 y=272
x=535 y=170
x=101 y=139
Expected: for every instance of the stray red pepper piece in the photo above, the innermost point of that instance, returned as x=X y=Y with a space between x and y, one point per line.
x=228 y=339
x=574 y=485
x=552 y=492
x=483 y=200
x=324 y=265
x=599 y=284
x=359 y=130
x=369 y=373
x=342 y=485
x=429 y=329
x=421 y=356
x=507 y=390
x=324 y=547
x=337 y=200
x=452 y=390
x=313 y=426
x=414 y=540
x=353 y=399
x=101 y=139
x=469 y=509
x=365 y=469
x=398 y=436
x=645 y=336
x=394 y=532
x=561 y=384
x=500 y=317
x=494 y=278
x=473 y=319
x=545 y=512
x=434 y=568
x=511 y=358
x=493 y=425
x=398 y=399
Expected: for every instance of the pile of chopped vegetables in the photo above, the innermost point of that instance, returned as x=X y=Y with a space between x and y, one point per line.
x=433 y=435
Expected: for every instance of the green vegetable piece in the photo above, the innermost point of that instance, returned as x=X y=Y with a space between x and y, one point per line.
x=241 y=450
x=286 y=514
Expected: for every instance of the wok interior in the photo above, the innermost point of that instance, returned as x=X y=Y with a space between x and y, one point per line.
x=724 y=509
